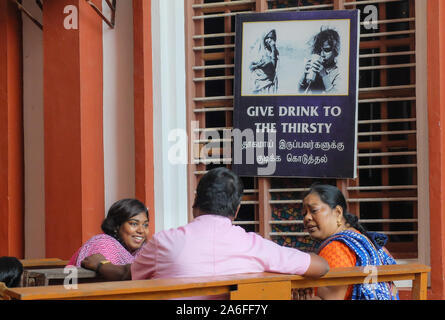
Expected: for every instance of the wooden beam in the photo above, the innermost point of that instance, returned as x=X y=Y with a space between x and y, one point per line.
x=193 y=90
x=261 y=5
x=264 y=207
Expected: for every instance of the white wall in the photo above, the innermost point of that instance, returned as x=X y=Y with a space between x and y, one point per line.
x=118 y=115
x=33 y=133
x=169 y=110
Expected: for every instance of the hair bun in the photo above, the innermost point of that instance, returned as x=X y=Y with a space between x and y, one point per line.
x=350 y=217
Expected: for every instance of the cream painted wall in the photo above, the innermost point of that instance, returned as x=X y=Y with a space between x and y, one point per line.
x=33 y=134
x=118 y=105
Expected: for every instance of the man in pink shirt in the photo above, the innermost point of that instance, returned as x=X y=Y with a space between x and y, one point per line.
x=210 y=245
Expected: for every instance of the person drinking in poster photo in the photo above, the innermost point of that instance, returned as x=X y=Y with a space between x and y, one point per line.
x=321 y=73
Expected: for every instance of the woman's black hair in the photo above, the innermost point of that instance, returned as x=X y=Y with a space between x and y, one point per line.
x=333 y=197
x=11 y=270
x=219 y=192
x=120 y=212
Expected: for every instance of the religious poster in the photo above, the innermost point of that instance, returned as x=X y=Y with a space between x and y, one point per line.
x=296 y=94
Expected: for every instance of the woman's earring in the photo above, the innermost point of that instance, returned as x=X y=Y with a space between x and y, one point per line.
x=338 y=223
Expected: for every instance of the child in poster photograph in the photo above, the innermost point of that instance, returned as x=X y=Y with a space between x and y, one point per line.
x=309 y=57
x=321 y=73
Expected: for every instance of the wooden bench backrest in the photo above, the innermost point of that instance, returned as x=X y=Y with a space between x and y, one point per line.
x=46 y=263
x=250 y=286
x=56 y=276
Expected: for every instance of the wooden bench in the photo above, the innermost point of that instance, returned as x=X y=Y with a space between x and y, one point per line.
x=56 y=276
x=3 y=295
x=249 y=286
x=46 y=263
x=29 y=279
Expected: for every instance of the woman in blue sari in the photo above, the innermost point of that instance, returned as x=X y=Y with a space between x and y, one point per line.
x=345 y=243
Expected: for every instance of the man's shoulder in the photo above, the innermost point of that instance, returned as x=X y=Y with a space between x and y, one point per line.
x=170 y=233
x=199 y=227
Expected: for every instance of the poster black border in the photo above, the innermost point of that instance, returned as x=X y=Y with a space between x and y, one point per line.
x=353 y=16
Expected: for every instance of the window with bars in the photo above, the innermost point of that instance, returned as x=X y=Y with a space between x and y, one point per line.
x=384 y=195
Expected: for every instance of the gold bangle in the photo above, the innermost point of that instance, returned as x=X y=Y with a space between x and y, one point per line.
x=101 y=263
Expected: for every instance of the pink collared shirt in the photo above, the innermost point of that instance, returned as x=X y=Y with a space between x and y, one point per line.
x=210 y=245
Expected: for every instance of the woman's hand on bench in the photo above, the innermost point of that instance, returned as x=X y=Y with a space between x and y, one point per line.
x=92 y=262
x=109 y=271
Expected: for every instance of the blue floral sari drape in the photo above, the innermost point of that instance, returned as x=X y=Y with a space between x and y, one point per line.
x=369 y=252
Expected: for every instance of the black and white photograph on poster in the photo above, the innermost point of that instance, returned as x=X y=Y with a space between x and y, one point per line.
x=302 y=57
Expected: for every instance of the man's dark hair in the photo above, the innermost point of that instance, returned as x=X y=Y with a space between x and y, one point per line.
x=11 y=270
x=120 y=212
x=219 y=192
x=329 y=35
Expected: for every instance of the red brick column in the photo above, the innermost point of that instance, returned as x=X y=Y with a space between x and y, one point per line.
x=11 y=132
x=436 y=133
x=143 y=106
x=73 y=116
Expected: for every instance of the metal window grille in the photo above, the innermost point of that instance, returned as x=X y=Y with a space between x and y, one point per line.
x=384 y=196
